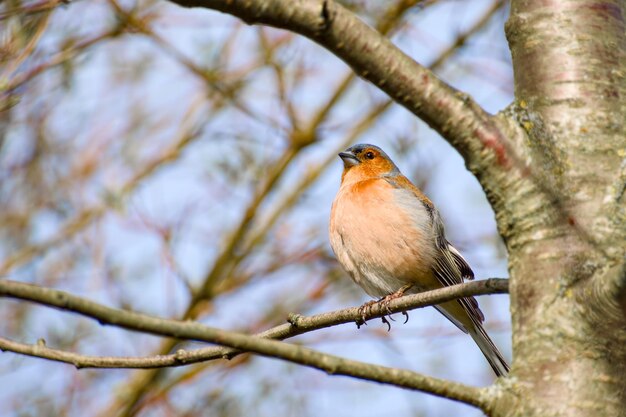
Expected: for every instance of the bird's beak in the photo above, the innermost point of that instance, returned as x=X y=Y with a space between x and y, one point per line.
x=349 y=159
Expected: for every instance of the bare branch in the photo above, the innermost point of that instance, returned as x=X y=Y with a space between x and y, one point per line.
x=40 y=350
x=30 y=9
x=331 y=364
x=180 y=329
x=12 y=65
x=61 y=57
x=215 y=83
x=450 y=112
x=190 y=132
x=258 y=344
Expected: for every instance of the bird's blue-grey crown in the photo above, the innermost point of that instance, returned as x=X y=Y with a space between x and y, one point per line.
x=354 y=154
x=360 y=147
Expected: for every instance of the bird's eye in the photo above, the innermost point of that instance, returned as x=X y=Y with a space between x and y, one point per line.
x=369 y=155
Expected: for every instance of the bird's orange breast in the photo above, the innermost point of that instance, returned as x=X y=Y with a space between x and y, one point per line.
x=382 y=233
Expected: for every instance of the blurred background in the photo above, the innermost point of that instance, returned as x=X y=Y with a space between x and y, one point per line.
x=148 y=151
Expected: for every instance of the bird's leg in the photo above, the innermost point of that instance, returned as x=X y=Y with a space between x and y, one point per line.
x=388 y=298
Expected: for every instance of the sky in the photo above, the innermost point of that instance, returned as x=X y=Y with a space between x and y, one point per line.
x=124 y=103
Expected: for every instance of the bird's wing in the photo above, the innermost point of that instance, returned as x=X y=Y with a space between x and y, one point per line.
x=450 y=267
x=451 y=261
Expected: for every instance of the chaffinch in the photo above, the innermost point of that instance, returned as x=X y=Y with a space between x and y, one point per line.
x=390 y=238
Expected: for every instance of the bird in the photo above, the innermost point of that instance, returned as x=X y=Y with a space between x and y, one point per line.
x=390 y=239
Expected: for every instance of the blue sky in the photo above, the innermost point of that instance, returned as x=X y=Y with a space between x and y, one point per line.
x=128 y=100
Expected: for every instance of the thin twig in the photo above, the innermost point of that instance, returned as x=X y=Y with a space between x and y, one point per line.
x=89 y=215
x=58 y=59
x=462 y=38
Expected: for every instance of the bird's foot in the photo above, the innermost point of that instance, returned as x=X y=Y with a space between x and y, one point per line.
x=389 y=298
x=364 y=311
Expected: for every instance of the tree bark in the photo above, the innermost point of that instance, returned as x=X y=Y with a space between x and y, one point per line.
x=566 y=247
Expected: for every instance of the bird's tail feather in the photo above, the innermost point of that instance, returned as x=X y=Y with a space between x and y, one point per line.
x=489 y=349
x=458 y=313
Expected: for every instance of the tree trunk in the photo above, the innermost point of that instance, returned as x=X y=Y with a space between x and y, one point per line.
x=565 y=233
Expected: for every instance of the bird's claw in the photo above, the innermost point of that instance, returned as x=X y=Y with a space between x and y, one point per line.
x=406 y=317
x=384 y=319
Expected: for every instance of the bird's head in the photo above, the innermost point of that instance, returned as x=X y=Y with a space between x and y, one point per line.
x=362 y=162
